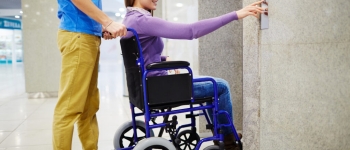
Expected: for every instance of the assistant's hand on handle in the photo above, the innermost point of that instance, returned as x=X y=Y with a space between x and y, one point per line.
x=252 y=9
x=106 y=35
x=116 y=29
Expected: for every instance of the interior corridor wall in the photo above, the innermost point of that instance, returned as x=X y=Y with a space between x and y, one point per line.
x=41 y=56
x=296 y=77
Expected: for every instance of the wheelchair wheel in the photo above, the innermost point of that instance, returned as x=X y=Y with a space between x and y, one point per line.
x=154 y=143
x=188 y=140
x=124 y=136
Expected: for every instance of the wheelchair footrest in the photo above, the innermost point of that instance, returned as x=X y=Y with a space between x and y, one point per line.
x=192 y=115
x=209 y=126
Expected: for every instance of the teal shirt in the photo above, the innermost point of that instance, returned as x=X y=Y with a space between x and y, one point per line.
x=74 y=20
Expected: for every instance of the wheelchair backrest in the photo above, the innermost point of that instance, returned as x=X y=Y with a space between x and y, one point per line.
x=133 y=71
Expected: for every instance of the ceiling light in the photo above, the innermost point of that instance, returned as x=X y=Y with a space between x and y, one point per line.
x=26 y=5
x=16 y=16
x=175 y=19
x=121 y=9
x=117 y=14
x=21 y=12
x=179 y=4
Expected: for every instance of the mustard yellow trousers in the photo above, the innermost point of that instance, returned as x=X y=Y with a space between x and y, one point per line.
x=78 y=99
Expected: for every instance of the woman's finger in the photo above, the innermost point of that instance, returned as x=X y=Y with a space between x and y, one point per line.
x=260 y=8
x=254 y=14
x=256 y=3
x=253 y=8
x=251 y=14
x=259 y=11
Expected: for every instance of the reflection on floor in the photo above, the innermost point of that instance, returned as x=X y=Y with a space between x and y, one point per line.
x=25 y=124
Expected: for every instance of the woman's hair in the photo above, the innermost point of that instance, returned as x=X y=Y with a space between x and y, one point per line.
x=129 y=3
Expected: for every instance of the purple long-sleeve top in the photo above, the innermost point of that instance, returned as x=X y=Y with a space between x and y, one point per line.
x=151 y=29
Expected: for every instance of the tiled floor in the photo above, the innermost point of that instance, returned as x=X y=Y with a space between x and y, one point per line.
x=25 y=124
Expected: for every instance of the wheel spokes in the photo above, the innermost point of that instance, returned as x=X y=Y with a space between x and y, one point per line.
x=131 y=139
x=128 y=138
x=193 y=144
x=185 y=143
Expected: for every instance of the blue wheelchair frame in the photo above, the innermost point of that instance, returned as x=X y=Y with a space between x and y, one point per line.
x=148 y=114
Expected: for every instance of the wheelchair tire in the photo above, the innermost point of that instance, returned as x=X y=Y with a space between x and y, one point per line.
x=154 y=143
x=212 y=147
x=123 y=137
x=188 y=140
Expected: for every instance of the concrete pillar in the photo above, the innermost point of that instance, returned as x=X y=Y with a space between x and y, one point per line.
x=41 y=56
x=296 y=77
x=251 y=82
x=220 y=52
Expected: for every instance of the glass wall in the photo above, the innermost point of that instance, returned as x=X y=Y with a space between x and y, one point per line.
x=10 y=46
x=182 y=11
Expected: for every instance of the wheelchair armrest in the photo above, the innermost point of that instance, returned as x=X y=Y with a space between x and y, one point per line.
x=168 y=64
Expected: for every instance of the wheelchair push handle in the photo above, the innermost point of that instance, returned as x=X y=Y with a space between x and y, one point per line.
x=132 y=30
x=128 y=29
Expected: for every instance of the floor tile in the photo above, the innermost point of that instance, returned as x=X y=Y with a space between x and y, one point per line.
x=3 y=101
x=106 y=145
x=24 y=101
x=37 y=147
x=9 y=126
x=41 y=114
x=9 y=108
x=35 y=124
x=28 y=138
x=14 y=116
x=3 y=136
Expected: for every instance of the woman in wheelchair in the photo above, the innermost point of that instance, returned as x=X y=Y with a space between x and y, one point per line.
x=151 y=29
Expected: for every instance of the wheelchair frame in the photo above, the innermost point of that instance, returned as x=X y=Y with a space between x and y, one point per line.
x=148 y=114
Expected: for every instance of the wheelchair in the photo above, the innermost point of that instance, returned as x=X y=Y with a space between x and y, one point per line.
x=161 y=96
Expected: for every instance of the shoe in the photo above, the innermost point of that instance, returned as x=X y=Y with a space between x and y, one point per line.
x=216 y=142
x=240 y=135
x=230 y=142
